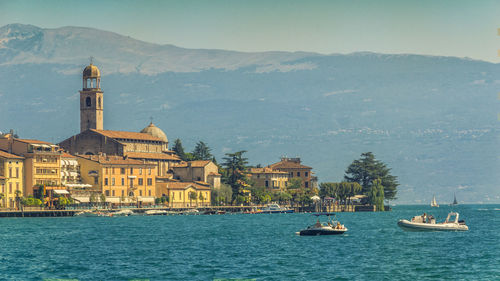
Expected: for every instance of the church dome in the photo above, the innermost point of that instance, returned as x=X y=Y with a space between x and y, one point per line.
x=91 y=71
x=155 y=132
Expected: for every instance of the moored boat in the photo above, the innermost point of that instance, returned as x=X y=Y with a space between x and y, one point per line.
x=428 y=223
x=331 y=227
x=274 y=208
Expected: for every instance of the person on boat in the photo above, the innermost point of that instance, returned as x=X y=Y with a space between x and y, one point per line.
x=317 y=224
x=424 y=218
x=338 y=226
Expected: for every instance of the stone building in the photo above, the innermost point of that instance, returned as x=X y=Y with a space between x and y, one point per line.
x=295 y=169
x=198 y=171
x=11 y=179
x=269 y=178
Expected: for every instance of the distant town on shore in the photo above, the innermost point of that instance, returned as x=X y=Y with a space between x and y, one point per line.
x=117 y=168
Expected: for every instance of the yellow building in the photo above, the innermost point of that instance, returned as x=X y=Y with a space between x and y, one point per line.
x=120 y=179
x=11 y=179
x=42 y=162
x=269 y=178
x=179 y=194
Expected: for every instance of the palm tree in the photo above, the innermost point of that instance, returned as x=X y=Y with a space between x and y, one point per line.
x=202 y=199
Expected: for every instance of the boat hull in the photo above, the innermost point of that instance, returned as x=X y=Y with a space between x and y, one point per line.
x=414 y=226
x=316 y=232
x=276 y=211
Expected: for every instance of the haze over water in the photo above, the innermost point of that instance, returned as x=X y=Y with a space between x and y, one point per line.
x=261 y=247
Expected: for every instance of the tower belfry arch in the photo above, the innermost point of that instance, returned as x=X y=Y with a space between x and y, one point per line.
x=91 y=99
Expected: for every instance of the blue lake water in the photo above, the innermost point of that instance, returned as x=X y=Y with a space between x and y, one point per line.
x=260 y=247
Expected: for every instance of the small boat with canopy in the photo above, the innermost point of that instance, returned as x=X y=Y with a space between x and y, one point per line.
x=331 y=227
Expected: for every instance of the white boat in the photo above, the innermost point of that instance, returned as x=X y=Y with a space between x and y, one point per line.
x=155 y=213
x=331 y=227
x=433 y=202
x=274 y=208
x=428 y=223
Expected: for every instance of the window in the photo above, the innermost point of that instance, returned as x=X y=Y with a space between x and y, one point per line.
x=131 y=171
x=123 y=181
x=17 y=172
x=141 y=181
x=298 y=174
x=107 y=192
x=105 y=181
x=306 y=174
x=150 y=181
x=149 y=192
x=99 y=102
x=140 y=171
x=149 y=171
x=122 y=171
x=112 y=181
x=123 y=193
x=106 y=171
x=96 y=180
x=113 y=171
x=307 y=184
x=113 y=192
x=140 y=192
x=17 y=186
x=10 y=172
x=88 y=101
x=267 y=183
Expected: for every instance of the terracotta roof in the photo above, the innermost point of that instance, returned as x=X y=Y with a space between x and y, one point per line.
x=185 y=185
x=116 y=160
x=214 y=174
x=67 y=155
x=288 y=165
x=152 y=155
x=196 y=164
x=5 y=154
x=2 y=178
x=265 y=170
x=126 y=135
x=33 y=141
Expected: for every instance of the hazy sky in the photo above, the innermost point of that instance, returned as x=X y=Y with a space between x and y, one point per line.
x=452 y=28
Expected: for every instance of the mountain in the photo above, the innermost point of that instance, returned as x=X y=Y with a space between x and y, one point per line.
x=432 y=119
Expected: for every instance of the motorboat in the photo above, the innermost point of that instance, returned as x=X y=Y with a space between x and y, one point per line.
x=95 y=213
x=433 y=202
x=428 y=223
x=274 y=208
x=331 y=227
x=155 y=213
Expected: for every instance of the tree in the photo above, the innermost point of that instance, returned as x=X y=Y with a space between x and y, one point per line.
x=234 y=175
x=103 y=199
x=2 y=196
x=367 y=169
x=192 y=196
x=201 y=152
x=222 y=195
x=178 y=149
x=202 y=198
x=376 y=195
x=294 y=183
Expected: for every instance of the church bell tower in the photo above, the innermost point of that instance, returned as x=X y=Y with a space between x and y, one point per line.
x=91 y=100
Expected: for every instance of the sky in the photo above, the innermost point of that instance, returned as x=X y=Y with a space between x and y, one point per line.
x=449 y=28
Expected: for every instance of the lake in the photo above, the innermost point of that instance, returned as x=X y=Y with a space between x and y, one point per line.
x=260 y=247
